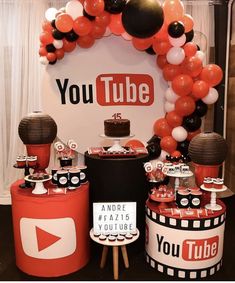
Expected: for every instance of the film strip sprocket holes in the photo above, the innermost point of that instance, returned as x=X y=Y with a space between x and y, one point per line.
x=183 y=273
x=186 y=224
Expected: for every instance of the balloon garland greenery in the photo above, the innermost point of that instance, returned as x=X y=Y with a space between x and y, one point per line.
x=164 y=30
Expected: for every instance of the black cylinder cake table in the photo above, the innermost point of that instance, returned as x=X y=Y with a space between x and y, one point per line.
x=119 y=179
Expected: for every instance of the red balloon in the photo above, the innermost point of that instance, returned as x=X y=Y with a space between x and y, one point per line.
x=174 y=119
x=161 y=128
x=176 y=153
x=200 y=89
x=82 y=26
x=162 y=34
x=173 y=10
x=115 y=25
x=42 y=51
x=142 y=43
x=168 y=144
x=182 y=84
x=59 y=53
x=68 y=46
x=94 y=7
x=134 y=144
x=97 y=31
x=170 y=71
x=212 y=74
x=161 y=61
x=51 y=57
x=64 y=22
x=86 y=41
x=192 y=66
x=190 y=49
x=185 y=105
x=161 y=46
x=193 y=134
x=187 y=20
x=46 y=37
x=46 y=26
x=103 y=19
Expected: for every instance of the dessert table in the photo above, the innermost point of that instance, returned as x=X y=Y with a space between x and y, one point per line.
x=185 y=243
x=51 y=231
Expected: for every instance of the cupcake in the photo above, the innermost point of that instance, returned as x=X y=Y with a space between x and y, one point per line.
x=111 y=238
x=208 y=182
x=120 y=238
x=102 y=237
x=32 y=161
x=128 y=236
x=21 y=161
x=96 y=234
x=134 y=232
x=218 y=183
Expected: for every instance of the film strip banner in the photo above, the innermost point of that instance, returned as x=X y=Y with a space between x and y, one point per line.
x=183 y=273
x=186 y=224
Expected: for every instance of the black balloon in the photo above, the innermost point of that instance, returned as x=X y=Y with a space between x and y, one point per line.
x=176 y=29
x=201 y=108
x=150 y=51
x=189 y=35
x=142 y=18
x=154 y=150
x=183 y=147
x=71 y=36
x=53 y=23
x=50 y=48
x=57 y=34
x=53 y=62
x=85 y=14
x=154 y=139
x=192 y=122
x=114 y=6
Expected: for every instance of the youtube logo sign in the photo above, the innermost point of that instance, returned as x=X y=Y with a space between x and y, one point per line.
x=48 y=238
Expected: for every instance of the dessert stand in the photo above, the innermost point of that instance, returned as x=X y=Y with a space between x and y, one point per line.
x=116 y=147
x=179 y=175
x=213 y=205
x=39 y=188
x=26 y=173
x=163 y=201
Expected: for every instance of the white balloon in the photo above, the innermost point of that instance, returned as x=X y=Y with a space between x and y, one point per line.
x=169 y=106
x=179 y=134
x=74 y=8
x=43 y=60
x=170 y=95
x=50 y=14
x=177 y=42
x=175 y=55
x=58 y=43
x=211 y=97
x=201 y=55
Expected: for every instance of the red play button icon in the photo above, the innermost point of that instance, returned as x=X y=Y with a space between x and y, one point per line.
x=48 y=238
x=45 y=239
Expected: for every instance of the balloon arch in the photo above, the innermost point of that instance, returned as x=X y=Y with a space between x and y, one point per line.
x=163 y=30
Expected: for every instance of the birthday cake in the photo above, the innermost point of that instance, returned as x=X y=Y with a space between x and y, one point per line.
x=117 y=127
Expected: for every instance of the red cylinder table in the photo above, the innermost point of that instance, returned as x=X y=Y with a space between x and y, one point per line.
x=187 y=244
x=51 y=231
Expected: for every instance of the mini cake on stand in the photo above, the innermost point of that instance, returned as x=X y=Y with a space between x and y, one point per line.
x=116 y=130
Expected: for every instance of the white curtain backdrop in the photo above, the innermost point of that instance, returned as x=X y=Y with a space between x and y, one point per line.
x=20 y=73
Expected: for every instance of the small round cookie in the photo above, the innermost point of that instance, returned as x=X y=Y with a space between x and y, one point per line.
x=134 y=232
